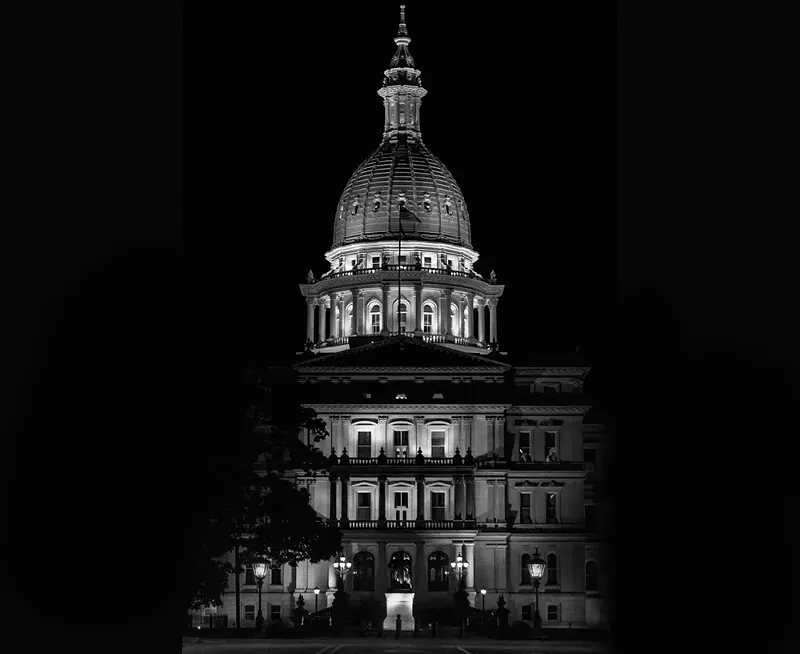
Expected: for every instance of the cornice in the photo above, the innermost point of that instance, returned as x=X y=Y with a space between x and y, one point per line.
x=493 y=369
x=532 y=410
x=404 y=408
x=376 y=278
x=525 y=371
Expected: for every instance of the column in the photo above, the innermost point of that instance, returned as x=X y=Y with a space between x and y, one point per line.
x=418 y=308
x=381 y=501
x=490 y=444
x=383 y=422
x=471 y=316
x=332 y=498
x=500 y=426
x=471 y=568
x=419 y=576
x=334 y=433
x=470 y=483
x=462 y=321
x=354 y=319
x=467 y=421
x=322 y=335
x=341 y=316
x=345 y=437
x=458 y=512
x=381 y=575
x=331 y=580
x=482 y=320
x=500 y=500
x=358 y=312
x=385 y=307
x=419 y=422
x=502 y=570
x=420 y=501
x=345 y=484
x=310 y=319
x=493 y=319
x=490 y=501
x=448 y=296
x=332 y=323
x=458 y=440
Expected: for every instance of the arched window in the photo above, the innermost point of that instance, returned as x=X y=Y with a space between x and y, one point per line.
x=427 y=319
x=438 y=571
x=348 y=320
x=403 y=316
x=466 y=322
x=552 y=569
x=526 y=573
x=400 y=570
x=375 y=318
x=455 y=323
x=363 y=571
x=591 y=575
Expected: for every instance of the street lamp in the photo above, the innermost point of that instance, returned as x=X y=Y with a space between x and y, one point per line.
x=342 y=567
x=260 y=571
x=316 y=597
x=536 y=567
x=460 y=567
x=483 y=598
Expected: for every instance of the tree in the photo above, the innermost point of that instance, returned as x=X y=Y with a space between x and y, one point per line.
x=259 y=506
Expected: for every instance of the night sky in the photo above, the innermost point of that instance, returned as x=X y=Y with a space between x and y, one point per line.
x=520 y=107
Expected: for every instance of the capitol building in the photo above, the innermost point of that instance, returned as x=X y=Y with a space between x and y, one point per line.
x=439 y=447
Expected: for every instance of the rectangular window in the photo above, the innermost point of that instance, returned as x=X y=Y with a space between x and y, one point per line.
x=589 y=516
x=403 y=315
x=250 y=612
x=437 y=506
x=352 y=263
x=275 y=576
x=376 y=323
x=552 y=518
x=364 y=450
x=401 y=444
x=552 y=612
x=364 y=506
x=401 y=506
x=525 y=509
x=437 y=444
x=275 y=612
x=427 y=323
x=550 y=388
x=427 y=262
x=249 y=577
x=550 y=454
x=526 y=612
x=402 y=259
x=376 y=262
x=525 y=446
x=589 y=458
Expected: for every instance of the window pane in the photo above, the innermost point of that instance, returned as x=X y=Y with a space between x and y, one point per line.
x=276 y=575
x=525 y=500
x=364 y=437
x=526 y=612
x=401 y=438
x=437 y=506
x=526 y=573
x=364 y=445
x=249 y=576
x=552 y=612
x=364 y=500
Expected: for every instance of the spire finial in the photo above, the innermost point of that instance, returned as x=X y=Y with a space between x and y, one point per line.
x=401 y=29
x=402 y=13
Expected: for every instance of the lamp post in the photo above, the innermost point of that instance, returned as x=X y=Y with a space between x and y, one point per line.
x=316 y=598
x=342 y=567
x=483 y=598
x=460 y=567
x=536 y=567
x=260 y=571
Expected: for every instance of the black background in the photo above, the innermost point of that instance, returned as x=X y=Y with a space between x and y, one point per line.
x=128 y=321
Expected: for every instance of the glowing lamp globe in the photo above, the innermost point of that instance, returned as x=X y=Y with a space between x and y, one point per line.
x=483 y=591
x=316 y=591
x=260 y=570
x=536 y=566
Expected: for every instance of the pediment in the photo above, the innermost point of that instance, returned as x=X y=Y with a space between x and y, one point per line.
x=552 y=484
x=400 y=353
x=526 y=484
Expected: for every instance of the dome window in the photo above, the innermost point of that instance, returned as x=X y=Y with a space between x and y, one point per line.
x=448 y=205
x=376 y=202
x=401 y=199
x=355 y=205
x=427 y=202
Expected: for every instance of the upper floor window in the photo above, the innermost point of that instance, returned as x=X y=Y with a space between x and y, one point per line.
x=591 y=575
x=401 y=443
x=550 y=504
x=376 y=262
x=526 y=573
x=550 y=453
x=525 y=509
x=364 y=450
x=403 y=315
x=589 y=458
x=401 y=506
x=427 y=262
x=438 y=571
x=427 y=318
x=364 y=506
x=276 y=577
x=552 y=569
x=437 y=444
x=249 y=576
x=525 y=446
x=437 y=505
x=455 y=323
x=364 y=571
x=375 y=319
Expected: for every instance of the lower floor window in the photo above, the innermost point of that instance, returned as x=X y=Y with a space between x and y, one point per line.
x=552 y=611
x=249 y=612
x=526 y=612
x=275 y=612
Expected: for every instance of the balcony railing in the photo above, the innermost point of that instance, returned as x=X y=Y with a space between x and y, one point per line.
x=403 y=267
x=396 y=461
x=409 y=524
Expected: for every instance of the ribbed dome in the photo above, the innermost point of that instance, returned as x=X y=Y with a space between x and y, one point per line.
x=400 y=169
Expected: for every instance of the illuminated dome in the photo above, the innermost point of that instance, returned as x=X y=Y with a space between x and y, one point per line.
x=402 y=172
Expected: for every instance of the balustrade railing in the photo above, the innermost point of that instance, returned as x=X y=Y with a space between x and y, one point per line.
x=411 y=524
x=434 y=338
x=403 y=267
x=396 y=461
